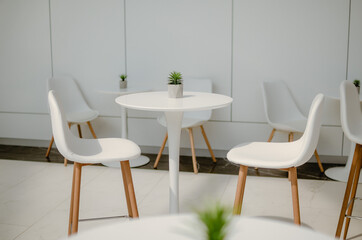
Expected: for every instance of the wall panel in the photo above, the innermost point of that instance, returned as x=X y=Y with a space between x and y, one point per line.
x=193 y=37
x=88 y=43
x=25 y=61
x=303 y=43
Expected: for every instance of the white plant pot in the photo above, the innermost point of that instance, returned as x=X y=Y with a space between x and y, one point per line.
x=175 y=90
x=123 y=84
x=358 y=89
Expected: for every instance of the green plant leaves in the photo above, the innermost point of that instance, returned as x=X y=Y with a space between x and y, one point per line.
x=175 y=78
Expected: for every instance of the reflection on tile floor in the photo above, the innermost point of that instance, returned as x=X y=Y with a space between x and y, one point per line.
x=306 y=171
x=34 y=198
x=35 y=194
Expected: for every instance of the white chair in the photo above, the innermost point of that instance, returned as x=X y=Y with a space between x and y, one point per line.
x=286 y=156
x=91 y=151
x=351 y=119
x=282 y=113
x=76 y=109
x=191 y=120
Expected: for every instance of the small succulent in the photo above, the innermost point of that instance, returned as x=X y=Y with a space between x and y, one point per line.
x=123 y=77
x=175 y=78
x=356 y=82
x=216 y=221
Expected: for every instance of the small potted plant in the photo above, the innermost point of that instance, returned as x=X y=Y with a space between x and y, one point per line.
x=356 y=82
x=175 y=86
x=123 y=82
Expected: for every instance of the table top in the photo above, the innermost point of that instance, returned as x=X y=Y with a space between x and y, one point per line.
x=182 y=227
x=159 y=101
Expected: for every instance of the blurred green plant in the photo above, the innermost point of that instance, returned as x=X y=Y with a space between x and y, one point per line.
x=216 y=220
x=123 y=77
x=175 y=78
x=356 y=82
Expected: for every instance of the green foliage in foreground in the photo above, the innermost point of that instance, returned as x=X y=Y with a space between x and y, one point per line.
x=216 y=221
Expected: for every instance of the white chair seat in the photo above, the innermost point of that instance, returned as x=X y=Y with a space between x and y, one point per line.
x=187 y=122
x=76 y=109
x=90 y=151
x=297 y=125
x=282 y=112
x=103 y=150
x=285 y=156
x=265 y=154
x=82 y=116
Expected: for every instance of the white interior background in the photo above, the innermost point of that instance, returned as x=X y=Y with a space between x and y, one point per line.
x=312 y=45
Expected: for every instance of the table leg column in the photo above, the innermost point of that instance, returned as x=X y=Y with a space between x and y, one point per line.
x=174 y=120
x=124 y=127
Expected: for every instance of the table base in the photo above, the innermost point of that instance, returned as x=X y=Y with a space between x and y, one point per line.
x=138 y=162
x=339 y=174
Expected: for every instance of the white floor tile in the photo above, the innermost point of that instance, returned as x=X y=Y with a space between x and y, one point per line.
x=34 y=198
x=9 y=232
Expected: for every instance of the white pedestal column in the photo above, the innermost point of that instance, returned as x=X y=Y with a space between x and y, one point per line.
x=174 y=120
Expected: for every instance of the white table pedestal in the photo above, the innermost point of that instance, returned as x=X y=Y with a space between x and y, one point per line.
x=341 y=173
x=174 y=122
x=174 y=109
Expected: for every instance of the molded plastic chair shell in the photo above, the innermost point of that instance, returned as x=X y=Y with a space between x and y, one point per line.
x=351 y=116
x=282 y=155
x=281 y=111
x=351 y=119
x=86 y=150
x=75 y=107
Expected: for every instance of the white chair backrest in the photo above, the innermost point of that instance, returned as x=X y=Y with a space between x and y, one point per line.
x=68 y=94
x=351 y=117
x=63 y=138
x=308 y=142
x=198 y=85
x=279 y=104
x=332 y=113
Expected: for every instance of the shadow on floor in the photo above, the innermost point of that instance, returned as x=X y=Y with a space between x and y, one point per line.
x=222 y=166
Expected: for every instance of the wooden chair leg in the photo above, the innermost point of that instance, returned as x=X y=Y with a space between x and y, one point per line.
x=79 y=130
x=71 y=205
x=318 y=161
x=160 y=152
x=66 y=160
x=50 y=147
x=271 y=135
x=76 y=197
x=129 y=189
x=91 y=129
x=348 y=190
x=208 y=143
x=290 y=137
x=295 y=197
x=243 y=171
x=194 y=162
x=353 y=194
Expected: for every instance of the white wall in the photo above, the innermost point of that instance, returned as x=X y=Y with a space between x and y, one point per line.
x=236 y=43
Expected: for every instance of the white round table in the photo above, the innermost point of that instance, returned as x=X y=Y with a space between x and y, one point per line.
x=141 y=160
x=174 y=108
x=186 y=227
